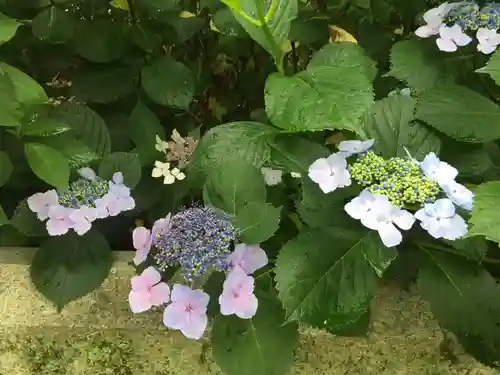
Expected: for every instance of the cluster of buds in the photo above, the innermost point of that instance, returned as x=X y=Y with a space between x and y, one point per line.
x=177 y=152
x=400 y=180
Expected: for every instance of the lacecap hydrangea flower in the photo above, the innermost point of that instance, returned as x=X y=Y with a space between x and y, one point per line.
x=186 y=308
x=89 y=198
x=453 y=22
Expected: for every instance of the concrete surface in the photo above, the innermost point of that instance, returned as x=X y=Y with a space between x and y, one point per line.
x=98 y=335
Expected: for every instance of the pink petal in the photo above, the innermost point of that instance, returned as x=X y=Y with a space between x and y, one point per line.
x=141 y=238
x=199 y=300
x=139 y=301
x=159 y=294
x=196 y=326
x=246 y=306
x=151 y=276
x=56 y=227
x=161 y=226
x=174 y=316
x=180 y=293
x=249 y=258
x=41 y=202
x=227 y=304
x=239 y=282
x=446 y=45
x=138 y=283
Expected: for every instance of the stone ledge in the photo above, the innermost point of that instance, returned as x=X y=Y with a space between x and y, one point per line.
x=404 y=338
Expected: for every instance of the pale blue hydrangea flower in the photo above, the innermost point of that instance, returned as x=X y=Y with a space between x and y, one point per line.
x=438 y=170
x=459 y=194
x=330 y=173
x=440 y=220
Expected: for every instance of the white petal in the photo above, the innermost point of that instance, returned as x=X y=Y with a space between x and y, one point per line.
x=426 y=31
x=169 y=179
x=444 y=207
x=446 y=45
x=486 y=48
x=457 y=228
x=355 y=208
x=389 y=235
x=337 y=160
x=156 y=172
x=403 y=219
x=180 y=176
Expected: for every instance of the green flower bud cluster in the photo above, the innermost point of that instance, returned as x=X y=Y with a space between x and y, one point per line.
x=83 y=192
x=400 y=180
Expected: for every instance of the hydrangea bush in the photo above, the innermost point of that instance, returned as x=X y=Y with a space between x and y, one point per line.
x=267 y=163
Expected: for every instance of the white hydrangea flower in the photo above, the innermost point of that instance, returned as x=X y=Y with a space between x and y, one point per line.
x=440 y=220
x=438 y=170
x=353 y=147
x=178 y=174
x=161 y=145
x=434 y=19
x=272 y=177
x=295 y=174
x=459 y=194
x=330 y=173
x=450 y=38
x=488 y=40
x=376 y=212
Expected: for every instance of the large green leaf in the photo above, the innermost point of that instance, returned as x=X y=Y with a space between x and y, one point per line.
x=461 y=113
x=28 y=91
x=257 y=346
x=69 y=267
x=326 y=271
x=103 y=85
x=8 y=28
x=10 y=109
x=54 y=25
x=48 y=164
x=277 y=16
x=318 y=209
x=87 y=126
x=257 y=222
x=26 y=222
x=492 y=68
x=77 y=153
x=391 y=123
x=38 y=122
x=6 y=168
x=465 y=299
x=345 y=54
x=99 y=40
x=3 y=218
x=126 y=163
x=420 y=65
x=233 y=184
x=484 y=219
x=295 y=154
x=168 y=82
x=247 y=141
x=333 y=97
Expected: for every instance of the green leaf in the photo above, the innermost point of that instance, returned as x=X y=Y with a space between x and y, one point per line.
x=347 y=55
x=69 y=267
x=261 y=345
x=77 y=153
x=28 y=91
x=37 y=121
x=318 y=209
x=470 y=159
x=452 y=109
x=226 y=23
x=168 y=82
x=123 y=162
x=8 y=28
x=87 y=126
x=492 y=68
x=420 y=65
x=233 y=184
x=26 y=222
x=391 y=123
x=99 y=40
x=10 y=111
x=144 y=38
x=350 y=324
x=3 y=218
x=295 y=154
x=54 y=25
x=277 y=14
x=475 y=248
x=184 y=28
x=103 y=85
x=6 y=168
x=465 y=300
x=143 y=127
x=484 y=219
x=257 y=222
x=247 y=141
x=326 y=271
x=319 y=98
x=48 y=164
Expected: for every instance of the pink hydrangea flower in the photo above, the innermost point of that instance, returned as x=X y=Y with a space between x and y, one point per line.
x=187 y=312
x=82 y=219
x=237 y=295
x=59 y=220
x=147 y=291
x=142 y=238
x=248 y=257
x=40 y=203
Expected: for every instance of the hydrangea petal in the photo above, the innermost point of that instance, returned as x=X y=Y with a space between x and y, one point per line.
x=249 y=258
x=159 y=294
x=389 y=234
x=139 y=301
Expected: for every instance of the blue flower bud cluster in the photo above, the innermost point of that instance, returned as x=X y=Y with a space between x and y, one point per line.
x=469 y=16
x=83 y=192
x=200 y=238
x=400 y=180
